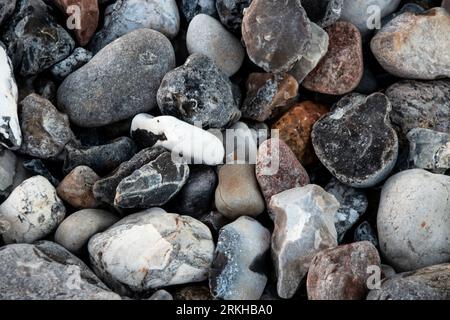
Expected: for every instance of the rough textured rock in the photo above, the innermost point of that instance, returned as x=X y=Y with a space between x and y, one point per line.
x=413 y=220
x=353 y=204
x=323 y=12
x=33 y=211
x=207 y=36
x=119 y=82
x=198 y=93
x=10 y=135
x=267 y=95
x=237 y=272
x=153 y=184
x=76 y=188
x=191 y=143
x=76 y=230
x=45 y=130
x=152 y=250
x=237 y=193
x=46 y=271
x=277 y=168
x=343 y=137
x=34 y=40
x=231 y=13
x=413 y=45
x=77 y=59
x=89 y=15
x=295 y=128
x=191 y=8
x=341 y=69
x=430 y=283
x=268 y=32
x=429 y=149
x=342 y=273
x=417 y=104
x=125 y=16
x=6 y=10
x=318 y=47
x=105 y=188
x=365 y=232
x=102 y=159
x=304 y=225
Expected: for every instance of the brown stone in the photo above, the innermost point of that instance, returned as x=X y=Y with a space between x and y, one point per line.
x=341 y=70
x=88 y=20
x=276 y=33
x=295 y=128
x=193 y=293
x=267 y=95
x=342 y=273
x=76 y=188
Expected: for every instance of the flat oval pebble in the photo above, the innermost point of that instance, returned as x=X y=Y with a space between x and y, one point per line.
x=414 y=46
x=76 y=187
x=119 y=82
x=152 y=250
x=355 y=153
x=341 y=69
x=207 y=36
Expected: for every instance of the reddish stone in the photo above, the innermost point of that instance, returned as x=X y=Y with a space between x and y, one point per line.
x=341 y=70
x=88 y=20
x=295 y=128
x=342 y=273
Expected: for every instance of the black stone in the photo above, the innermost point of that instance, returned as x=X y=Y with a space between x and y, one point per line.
x=38 y=167
x=215 y=221
x=231 y=13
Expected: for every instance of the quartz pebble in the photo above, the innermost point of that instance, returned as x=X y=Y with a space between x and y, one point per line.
x=295 y=128
x=413 y=220
x=191 y=8
x=152 y=250
x=76 y=230
x=76 y=188
x=304 y=225
x=412 y=45
x=341 y=69
x=126 y=16
x=207 y=36
x=186 y=141
x=343 y=137
x=231 y=13
x=125 y=77
x=342 y=273
x=365 y=232
x=33 y=211
x=237 y=271
x=46 y=271
x=267 y=93
x=276 y=33
x=198 y=93
x=77 y=59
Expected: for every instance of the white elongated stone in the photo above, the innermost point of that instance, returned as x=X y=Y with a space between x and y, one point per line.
x=186 y=141
x=10 y=135
x=304 y=225
x=33 y=211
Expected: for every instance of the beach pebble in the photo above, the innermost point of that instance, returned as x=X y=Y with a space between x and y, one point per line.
x=46 y=271
x=237 y=271
x=33 y=211
x=161 y=295
x=199 y=94
x=189 y=142
x=208 y=37
x=231 y=13
x=76 y=230
x=295 y=128
x=341 y=69
x=191 y=8
x=323 y=12
x=153 y=184
x=344 y=136
x=8 y=164
x=413 y=221
x=304 y=225
x=126 y=16
x=152 y=250
x=45 y=130
x=76 y=188
x=267 y=95
x=237 y=193
x=277 y=168
x=77 y=59
x=125 y=77
x=276 y=33
x=365 y=232
x=342 y=273
x=413 y=45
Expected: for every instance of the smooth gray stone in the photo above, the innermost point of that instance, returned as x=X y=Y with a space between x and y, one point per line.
x=77 y=59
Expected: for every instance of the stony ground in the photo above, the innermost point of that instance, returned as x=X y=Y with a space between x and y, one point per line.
x=224 y=149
